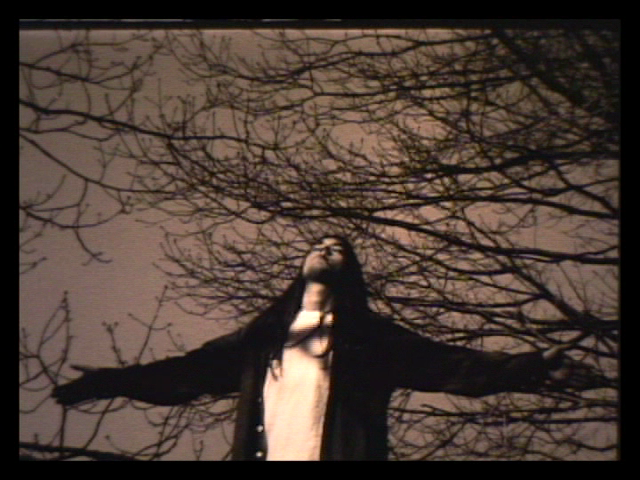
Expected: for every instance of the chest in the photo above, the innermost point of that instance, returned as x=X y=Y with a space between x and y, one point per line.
x=296 y=391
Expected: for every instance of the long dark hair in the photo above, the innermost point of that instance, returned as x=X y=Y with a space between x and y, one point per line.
x=351 y=310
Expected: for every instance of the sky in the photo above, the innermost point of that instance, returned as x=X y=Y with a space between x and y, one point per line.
x=100 y=294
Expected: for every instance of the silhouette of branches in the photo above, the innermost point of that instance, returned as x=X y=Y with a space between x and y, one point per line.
x=476 y=171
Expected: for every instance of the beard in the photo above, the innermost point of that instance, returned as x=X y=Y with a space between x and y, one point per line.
x=319 y=270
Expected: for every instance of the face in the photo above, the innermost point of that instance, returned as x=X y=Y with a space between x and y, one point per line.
x=325 y=259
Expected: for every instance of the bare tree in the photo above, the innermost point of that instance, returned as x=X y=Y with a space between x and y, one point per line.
x=476 y=171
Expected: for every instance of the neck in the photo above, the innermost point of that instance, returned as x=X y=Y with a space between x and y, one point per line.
x=317 y=297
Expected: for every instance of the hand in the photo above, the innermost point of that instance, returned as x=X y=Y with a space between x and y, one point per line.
x=84 y=369
x=86 y=387
x=553 y=354
x=567 y=373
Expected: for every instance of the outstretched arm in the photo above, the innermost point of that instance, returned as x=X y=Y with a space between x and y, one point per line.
x=411 y=361
x=212 y=369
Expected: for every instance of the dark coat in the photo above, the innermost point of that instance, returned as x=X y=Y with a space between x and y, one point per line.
x=364 y=373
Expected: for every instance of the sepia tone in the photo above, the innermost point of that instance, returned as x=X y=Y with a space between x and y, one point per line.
x=172 y=181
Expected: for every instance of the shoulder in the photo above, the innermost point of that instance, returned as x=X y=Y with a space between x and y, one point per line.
x=231 y=340
x=387 y=327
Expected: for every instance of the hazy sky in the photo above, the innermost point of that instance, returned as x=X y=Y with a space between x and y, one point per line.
x=101 y=293
x=98 y=293
x=105 y=293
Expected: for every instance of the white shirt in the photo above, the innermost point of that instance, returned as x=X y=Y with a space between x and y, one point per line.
x=296 y=390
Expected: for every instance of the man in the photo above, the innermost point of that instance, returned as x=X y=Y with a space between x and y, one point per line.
x=316 y=370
